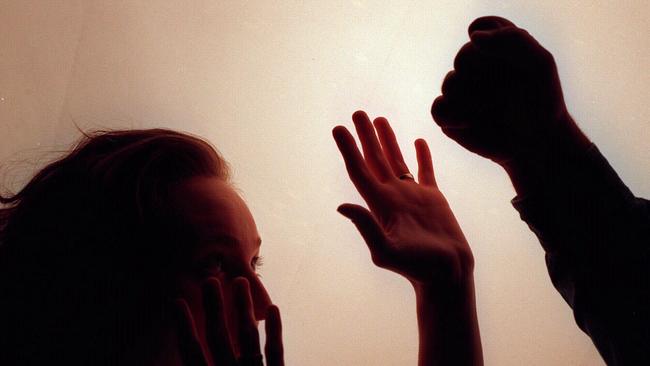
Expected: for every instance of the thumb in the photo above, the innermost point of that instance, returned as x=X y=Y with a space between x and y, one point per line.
x=368 y=227
x=489 y=23
x=512 y=43
x=482 y=38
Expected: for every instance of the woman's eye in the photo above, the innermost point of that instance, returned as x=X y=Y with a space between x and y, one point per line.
x=257 y=262
x=211 y=266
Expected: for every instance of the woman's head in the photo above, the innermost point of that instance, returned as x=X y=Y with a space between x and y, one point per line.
x=97 y=242
x=227 y=246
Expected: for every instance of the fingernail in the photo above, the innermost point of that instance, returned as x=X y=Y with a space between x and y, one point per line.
x=479 y=37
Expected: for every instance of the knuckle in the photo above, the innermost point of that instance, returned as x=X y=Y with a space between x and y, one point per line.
x=465 y=56
x=449 y=82
x=436 y=105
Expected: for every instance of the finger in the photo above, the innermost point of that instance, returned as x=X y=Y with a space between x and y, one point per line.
x=369 y=229
x=357 y=169
x=273 y=349
x=249 y=338
x=468 y=87
x=447 y=113
x=370 y=145
x=188 y=339
x=217 y=334
x=469 y=60
x=450 y=84
x=390 y=146
x=488 y=23
x=425 y=166
x=499 y=39
x=513 y=44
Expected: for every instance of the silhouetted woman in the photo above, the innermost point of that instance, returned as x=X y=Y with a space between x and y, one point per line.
x=134 y=249
x=98 y=245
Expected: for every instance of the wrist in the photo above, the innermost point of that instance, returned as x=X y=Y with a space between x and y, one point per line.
x=550 y=156
x=458 y=276
x=447 y=324
x=448 y=293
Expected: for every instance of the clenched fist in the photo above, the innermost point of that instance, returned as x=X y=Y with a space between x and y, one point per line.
x=503 y=99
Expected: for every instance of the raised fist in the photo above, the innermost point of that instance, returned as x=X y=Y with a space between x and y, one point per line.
x=503 y=99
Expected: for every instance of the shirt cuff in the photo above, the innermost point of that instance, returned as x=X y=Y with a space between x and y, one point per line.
x=552 y=211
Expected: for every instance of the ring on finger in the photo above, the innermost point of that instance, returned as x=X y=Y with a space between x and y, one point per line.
x=406 y=176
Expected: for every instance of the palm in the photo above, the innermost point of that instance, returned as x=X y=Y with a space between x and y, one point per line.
x=410 y=229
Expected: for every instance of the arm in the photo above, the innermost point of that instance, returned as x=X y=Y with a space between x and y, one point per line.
x=596 y=235
x=448 y=326
x=504 y=101
x=411 y=230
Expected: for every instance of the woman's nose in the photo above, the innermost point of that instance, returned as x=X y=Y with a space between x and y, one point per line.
x=261 y=299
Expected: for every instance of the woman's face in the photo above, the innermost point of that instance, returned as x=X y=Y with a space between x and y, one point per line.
x=228 y=247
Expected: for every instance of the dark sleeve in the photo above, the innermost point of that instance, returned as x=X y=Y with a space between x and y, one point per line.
x=596 y=235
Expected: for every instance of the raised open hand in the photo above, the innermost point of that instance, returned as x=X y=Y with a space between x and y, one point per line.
x=503 y=100
x=410 y=228
x=220 y=349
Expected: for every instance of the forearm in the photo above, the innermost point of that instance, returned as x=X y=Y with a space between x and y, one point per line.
x=595 y=233
x=571 y=197
x=448 y=325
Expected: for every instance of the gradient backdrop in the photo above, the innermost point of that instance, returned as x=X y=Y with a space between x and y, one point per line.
x=265 y=81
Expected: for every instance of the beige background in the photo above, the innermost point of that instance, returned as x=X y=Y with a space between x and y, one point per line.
x=265 y=81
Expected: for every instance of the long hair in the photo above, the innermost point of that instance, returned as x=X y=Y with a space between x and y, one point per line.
x=87 y=245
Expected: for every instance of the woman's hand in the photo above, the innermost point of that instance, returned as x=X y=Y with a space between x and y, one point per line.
x=221 y=350
x=410 y=228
